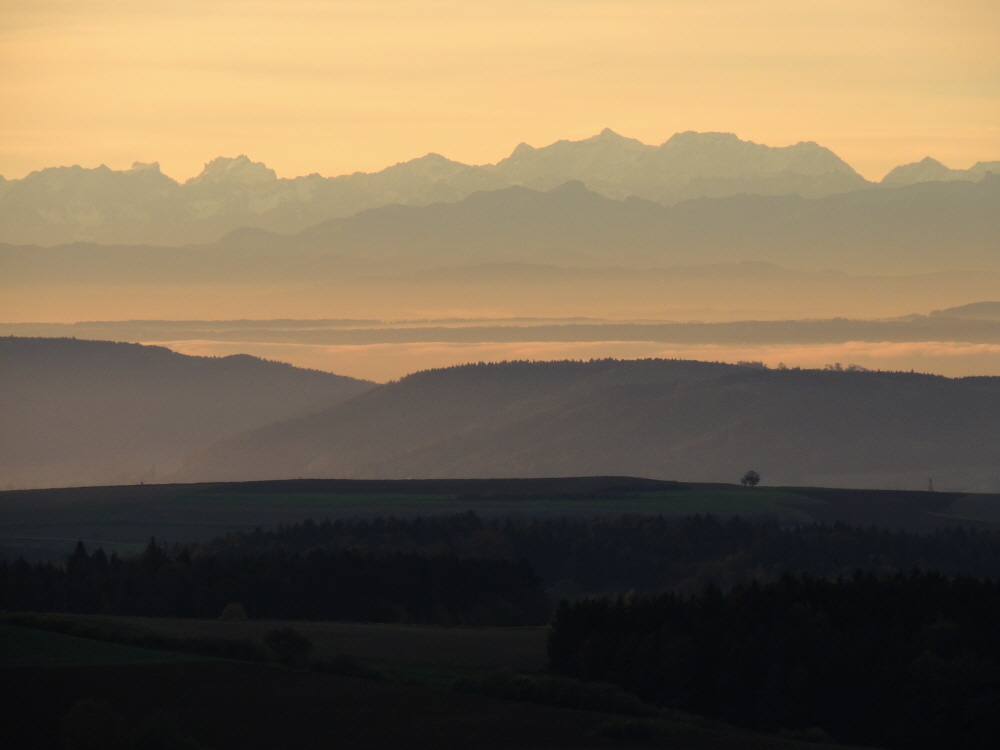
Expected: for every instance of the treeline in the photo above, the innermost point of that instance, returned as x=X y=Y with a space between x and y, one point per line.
x=315 y=585
x=648 y=554
x=907 y=661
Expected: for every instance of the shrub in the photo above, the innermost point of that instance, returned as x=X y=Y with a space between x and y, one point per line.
x=234 y=611
x=288 y=646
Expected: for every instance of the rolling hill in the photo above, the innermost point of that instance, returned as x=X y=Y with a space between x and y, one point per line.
x=97 y=412
x=691 y=421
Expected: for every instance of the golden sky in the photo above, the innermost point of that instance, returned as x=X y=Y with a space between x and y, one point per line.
x=335 y=86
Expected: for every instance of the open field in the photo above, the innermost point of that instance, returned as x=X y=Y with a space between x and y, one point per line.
x=21 y=647
x=226 y=704
x=720 y=499
x=41 y=524
x=240 y=705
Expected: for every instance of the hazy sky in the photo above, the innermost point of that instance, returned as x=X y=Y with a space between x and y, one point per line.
x=343 y=85
x=382 y=362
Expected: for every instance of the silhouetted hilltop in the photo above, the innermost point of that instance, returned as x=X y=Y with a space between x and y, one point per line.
x=691 y=421
x=141 y=205
x=82 y=412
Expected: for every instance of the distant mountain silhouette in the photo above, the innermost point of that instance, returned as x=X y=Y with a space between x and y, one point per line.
x=931 y=170
x=931 y=225
x=973 y=311
x=96 y=412
x=663 y=419
x=924 y=227
x=688 y=165
x=143 y=206
x=976 y=323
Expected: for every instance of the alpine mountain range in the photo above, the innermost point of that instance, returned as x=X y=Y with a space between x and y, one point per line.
x=142 y=205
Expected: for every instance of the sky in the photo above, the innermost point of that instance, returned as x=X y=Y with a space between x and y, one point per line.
x=337 y=86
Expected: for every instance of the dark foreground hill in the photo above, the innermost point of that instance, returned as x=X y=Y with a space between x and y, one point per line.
x=78 y=412
x=691 y=421
x=67 y=685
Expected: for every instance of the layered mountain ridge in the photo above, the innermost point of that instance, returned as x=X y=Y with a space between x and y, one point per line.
x=97 y=412
x=923 y=227
x=143 y=206
x=931 y=170
x=695 y=421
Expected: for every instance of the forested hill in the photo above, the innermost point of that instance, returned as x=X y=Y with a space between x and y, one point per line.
x=691 y=421
x=98 y=412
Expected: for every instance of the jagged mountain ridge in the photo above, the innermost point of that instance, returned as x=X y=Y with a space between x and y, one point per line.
x=143 y=206
x=931 y=170
x=688 y=165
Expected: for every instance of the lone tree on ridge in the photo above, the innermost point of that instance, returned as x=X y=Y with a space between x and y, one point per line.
x=750 y=479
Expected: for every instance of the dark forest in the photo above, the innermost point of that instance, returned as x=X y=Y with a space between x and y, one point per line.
x=647 y=554
x=317 y=585
x=907 y=661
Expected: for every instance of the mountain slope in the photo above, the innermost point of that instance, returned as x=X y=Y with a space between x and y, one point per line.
x=681 y=420
x=93 y=412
